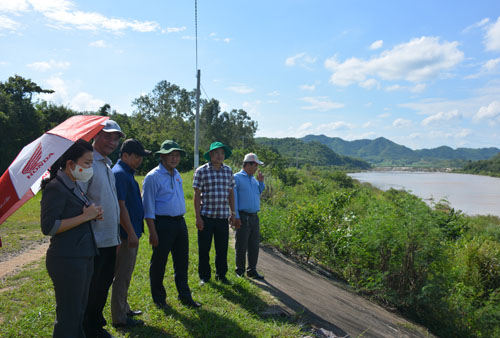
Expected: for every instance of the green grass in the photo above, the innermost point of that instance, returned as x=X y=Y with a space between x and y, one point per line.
x=27 y=302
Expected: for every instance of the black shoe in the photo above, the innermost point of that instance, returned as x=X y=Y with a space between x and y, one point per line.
x=240 y=274
x=133 y=313
x=162 y=305
x=104 y=334
x=189 y=302
x=223 y=280
x=255 y=275
x=130 y=322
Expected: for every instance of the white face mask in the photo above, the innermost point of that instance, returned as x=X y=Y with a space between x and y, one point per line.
x=82 y=174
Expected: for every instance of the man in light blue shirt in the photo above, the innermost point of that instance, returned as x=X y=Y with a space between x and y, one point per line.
x=247 y=200
x=164 y=209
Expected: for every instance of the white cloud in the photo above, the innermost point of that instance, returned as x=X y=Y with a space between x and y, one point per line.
x=308 y=87
x=490 y=65
x=376 y=45
x=418 y=88
x=8 y=24
x=241 y=89
x=393 y=88
x=384 y=115
x=252 y=108
x=44 y=66
x=418 y=60
x=338 y=125
x=224 y=106
x=174 y=29
x=98 y=44
x=86 y=102
x=304 y=127
x=401 y=123
x=13 y=6
x=369 y=84
x=300 y=59
x=62 y=14
x=60 y=89
x=213 y=36
x=492 y=38
x=274 y=93
x=320 y=103
x=477 y=24
x=367 y=124
x=490 y=113
x=440 y=117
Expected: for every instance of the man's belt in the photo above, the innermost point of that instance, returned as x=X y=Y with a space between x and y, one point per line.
x=247 y=213
x=176 y=218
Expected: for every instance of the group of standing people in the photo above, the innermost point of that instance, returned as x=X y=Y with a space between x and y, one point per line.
x=95 y=216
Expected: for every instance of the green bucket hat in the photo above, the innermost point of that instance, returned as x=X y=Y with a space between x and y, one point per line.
x=217 y=145
x=168 y=146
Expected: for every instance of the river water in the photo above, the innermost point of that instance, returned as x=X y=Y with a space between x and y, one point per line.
x=472 y=194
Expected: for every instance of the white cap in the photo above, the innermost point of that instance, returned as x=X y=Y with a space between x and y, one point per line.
x=113 y=127
x=251 y=157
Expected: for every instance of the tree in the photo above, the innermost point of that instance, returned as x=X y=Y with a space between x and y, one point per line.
x=20 y=122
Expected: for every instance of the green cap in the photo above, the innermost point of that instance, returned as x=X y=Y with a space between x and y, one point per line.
x=168 y=146
x=217 y=145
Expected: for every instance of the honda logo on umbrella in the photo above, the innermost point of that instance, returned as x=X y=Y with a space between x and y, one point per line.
x=35 y=162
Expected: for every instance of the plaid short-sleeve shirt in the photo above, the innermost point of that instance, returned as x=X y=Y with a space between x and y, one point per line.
x=214 y=186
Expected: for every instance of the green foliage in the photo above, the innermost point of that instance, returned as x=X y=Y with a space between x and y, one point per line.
x=440 y=267
x=490 y=167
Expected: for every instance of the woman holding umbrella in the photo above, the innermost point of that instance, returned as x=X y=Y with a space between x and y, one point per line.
x=66 y=215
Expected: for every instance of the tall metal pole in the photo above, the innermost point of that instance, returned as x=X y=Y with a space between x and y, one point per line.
x=197 y=123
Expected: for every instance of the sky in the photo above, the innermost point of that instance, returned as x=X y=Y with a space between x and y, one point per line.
x=420 y=73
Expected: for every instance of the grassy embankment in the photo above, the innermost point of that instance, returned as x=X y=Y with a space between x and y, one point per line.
x=436 y=265
x=27 y=303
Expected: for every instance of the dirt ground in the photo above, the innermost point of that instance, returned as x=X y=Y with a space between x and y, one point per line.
x=16 y=263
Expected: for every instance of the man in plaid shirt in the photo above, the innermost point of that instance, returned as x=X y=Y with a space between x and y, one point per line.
x=213 y=185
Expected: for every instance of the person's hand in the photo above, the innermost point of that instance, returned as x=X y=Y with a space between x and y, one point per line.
x=260 y=176
x=153 y=238
x=199 y=223
x=237 y=223
x=92 y=212
x=133 y=241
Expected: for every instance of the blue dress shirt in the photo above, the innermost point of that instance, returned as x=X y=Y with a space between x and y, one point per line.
x=127 y=189
x=162 y=193
x=247 y=193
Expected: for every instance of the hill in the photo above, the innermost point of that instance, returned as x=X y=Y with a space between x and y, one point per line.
x=298 y=152
x=383 y=152
x=490 y=167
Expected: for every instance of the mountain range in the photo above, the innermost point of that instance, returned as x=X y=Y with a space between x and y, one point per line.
x=384 y=152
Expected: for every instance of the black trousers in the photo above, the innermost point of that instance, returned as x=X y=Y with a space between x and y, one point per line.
x=218 y=229
x=172 y=237
x=71 y=278
x=104 y=268
x=247 y=243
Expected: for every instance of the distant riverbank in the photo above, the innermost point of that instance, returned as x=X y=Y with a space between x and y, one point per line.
x=472 y=194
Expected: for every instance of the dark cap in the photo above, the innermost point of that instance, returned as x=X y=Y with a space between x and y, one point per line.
x=132 y=146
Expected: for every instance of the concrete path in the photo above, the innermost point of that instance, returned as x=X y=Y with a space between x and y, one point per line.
x=327 y=305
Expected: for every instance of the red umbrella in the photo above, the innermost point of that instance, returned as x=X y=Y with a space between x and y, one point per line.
x=21 y=180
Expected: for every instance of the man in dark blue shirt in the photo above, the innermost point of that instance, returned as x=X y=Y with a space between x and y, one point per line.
x=131 y=229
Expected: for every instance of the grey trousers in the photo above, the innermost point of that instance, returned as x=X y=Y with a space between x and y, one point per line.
x=247 y=243
x=71 y=278
x=124 y=267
